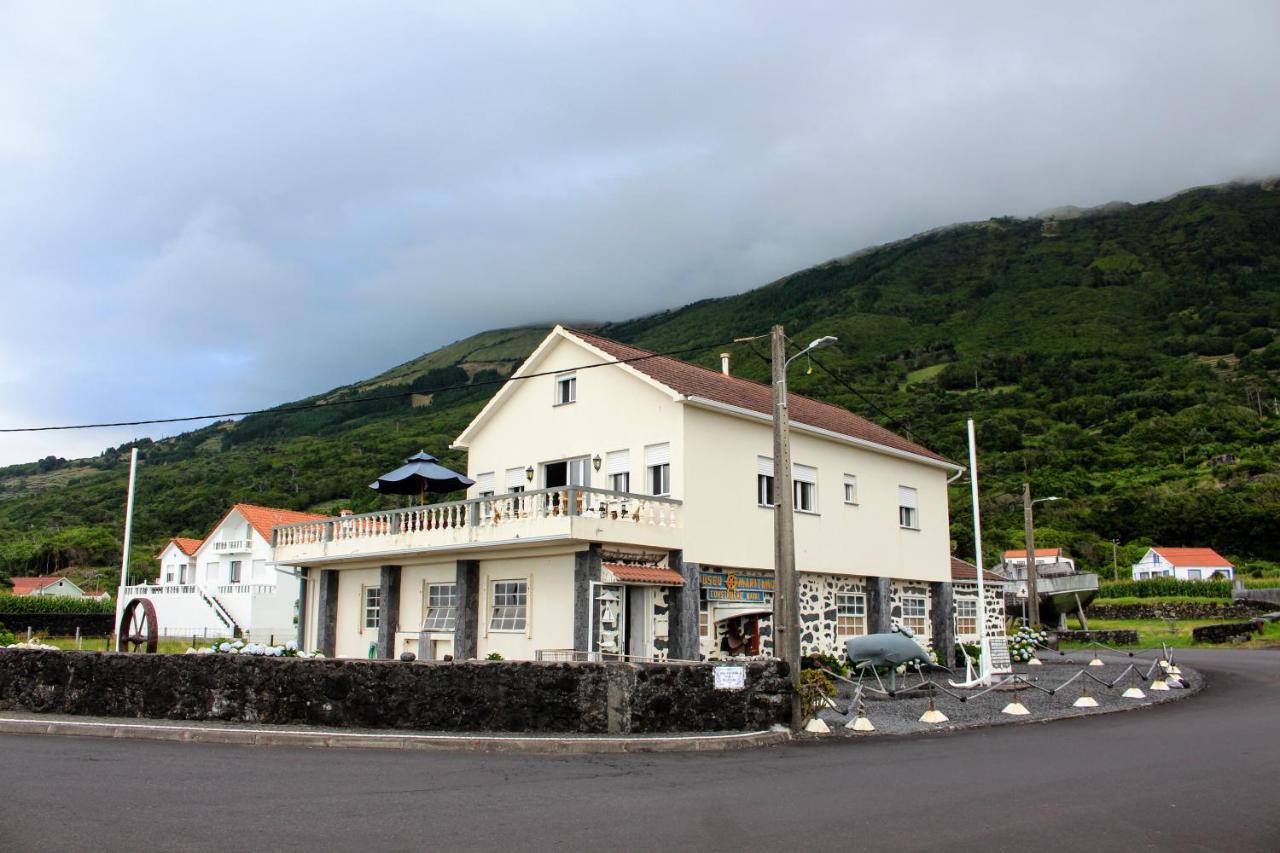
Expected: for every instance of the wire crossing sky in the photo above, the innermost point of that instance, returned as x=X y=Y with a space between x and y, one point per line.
x=226 y=207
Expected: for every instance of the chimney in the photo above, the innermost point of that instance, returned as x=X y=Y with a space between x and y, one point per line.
x=724 y=363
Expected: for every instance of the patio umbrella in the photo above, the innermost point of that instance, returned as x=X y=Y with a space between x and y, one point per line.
x=420 y=474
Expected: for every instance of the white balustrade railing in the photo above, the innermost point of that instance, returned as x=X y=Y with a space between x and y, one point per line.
x=232 y=545
x=486 y=513
x=246 y=589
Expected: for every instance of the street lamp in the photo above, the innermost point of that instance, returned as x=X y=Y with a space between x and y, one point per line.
x=1033 y=602
x=786 y=607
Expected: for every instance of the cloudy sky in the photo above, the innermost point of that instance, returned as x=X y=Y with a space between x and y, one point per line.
x=217 y=206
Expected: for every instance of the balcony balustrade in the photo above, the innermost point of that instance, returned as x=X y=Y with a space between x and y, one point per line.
x=545 y=513
x=230 y=546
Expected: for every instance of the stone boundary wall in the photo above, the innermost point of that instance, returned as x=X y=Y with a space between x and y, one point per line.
x=1120 y=637
x=508 y=696
x=1178 y=610
x=1225 y=632
x=1268 y=597
x=60 y=624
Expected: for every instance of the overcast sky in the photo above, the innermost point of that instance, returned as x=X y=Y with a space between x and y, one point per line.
x=218 y=206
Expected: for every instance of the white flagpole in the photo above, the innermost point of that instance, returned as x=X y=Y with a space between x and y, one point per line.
x=985 y=665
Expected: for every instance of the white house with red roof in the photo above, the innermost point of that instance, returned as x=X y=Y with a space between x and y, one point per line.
x=1185 y=564
x=623 y=506
x=225 y=584
x=1051 y=559
x=46 y=585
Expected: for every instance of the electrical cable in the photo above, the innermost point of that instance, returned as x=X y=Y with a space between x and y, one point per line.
x=321 y=405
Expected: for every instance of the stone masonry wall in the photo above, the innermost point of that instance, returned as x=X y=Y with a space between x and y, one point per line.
x=525 y=696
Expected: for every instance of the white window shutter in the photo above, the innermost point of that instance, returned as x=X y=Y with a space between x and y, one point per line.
x=764 y=465
x=515 y=477
x=484 y=483
x=804 y=473
x=657 y=454
x=619 y=462
x=906 y=497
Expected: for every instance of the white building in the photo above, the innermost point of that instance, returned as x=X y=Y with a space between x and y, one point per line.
x=47 y=585
x=622 y=506
x=1048 y=561
x=226 y=584
x=1185 y=564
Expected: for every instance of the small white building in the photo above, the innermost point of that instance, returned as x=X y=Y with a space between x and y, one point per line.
x=225 y=584
x=1048 y=561
x=47 y=585
x=1185 y=564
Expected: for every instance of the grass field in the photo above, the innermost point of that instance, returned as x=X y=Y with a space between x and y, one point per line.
x=167 y=645
x=1175 y=632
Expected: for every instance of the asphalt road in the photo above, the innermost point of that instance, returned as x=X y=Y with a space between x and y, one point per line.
x=1200 y=774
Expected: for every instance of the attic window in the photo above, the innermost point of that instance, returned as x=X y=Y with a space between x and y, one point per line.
x=566 y=389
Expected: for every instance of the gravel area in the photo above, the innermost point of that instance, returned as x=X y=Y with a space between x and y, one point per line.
x=900 y=716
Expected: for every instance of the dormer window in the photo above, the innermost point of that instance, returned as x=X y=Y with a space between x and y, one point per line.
x=566 y=389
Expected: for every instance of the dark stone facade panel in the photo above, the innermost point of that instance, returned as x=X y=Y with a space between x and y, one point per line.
x=586 y=568
x=327 y=613
x=466 y=627
x=683 y=606
x=388 y=610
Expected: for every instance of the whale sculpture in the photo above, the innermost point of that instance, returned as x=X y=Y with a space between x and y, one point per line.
x=889 y=650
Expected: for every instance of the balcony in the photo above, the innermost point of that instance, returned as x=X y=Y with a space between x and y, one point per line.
x=566 y=513
x=232 y=546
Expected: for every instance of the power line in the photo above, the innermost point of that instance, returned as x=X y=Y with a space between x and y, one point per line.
x=324 y=405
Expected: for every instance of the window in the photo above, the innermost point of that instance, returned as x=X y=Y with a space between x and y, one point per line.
x=850 y=489
x=566 y=389
x=913 y=615
x=372 y=606
x=168 y=576
x=907 y=513
x=764 y=482
x=618 y=467
x=442 y=607
x=184 y=573
x=657 y=460
x=851 y=614
x=704 y=619
x=804 y=481
x=234 y=574
x=510 y=602
x=967 y=617
x=1193 y=574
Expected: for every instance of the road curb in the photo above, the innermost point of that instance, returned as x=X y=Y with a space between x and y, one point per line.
x=421 y=742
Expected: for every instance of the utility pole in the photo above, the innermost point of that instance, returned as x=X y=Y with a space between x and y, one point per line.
x=786 y=610
x=1115 y=564
x=1033 y=603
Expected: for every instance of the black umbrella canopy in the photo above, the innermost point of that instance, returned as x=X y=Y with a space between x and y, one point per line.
x=419 y=474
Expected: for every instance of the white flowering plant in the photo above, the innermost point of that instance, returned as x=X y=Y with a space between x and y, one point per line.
x=240 y=647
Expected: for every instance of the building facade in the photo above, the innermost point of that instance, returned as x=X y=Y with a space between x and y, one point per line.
x=623 y=507
x=1185 y=564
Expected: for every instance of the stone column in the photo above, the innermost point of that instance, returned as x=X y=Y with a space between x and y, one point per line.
x=879 y=602
x=304 y=600
x=682 y=610
x=388 y=610
x=466 y=628
x=941 y=617
x=586 y=568
x=327 y=613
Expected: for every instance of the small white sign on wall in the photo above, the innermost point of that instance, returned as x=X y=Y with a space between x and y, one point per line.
x=730 y=677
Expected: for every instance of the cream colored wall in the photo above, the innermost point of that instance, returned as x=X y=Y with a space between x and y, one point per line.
x=723 y=525
x=353 y=638
x=614 y=410
x=549 y=623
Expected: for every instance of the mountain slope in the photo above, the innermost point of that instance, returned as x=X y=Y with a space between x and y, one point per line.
x=1124 y=358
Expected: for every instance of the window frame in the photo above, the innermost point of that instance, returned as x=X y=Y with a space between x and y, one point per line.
x=620 y=482
x=802 y=489
x=855 y=600
x=659 y=478
x=967 y=602
x=514 y=618
x=566 y=382
x=909 y=515
x=766 y=497
x=372 y=608
x=922 y=616
x=446 y=603
x=851 y=488
x=235 y=571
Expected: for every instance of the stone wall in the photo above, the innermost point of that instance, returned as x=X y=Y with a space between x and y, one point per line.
x=1225 y=632
x=594 y=698
x=1179 y=610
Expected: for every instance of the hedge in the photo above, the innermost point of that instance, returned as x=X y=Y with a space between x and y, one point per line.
x=17 y=604
x=1165 y=586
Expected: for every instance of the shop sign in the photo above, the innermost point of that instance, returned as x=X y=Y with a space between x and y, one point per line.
x=738 y=586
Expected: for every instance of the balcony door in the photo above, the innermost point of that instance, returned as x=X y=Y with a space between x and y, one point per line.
x=567 y=472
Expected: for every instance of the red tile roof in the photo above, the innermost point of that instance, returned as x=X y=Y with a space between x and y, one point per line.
x=645 y=574
x=1040 y=552
x=26 y=586
x=1206 y=557
x=695 y=381
x=185 y=545
x=263 y=518
x=962 y=571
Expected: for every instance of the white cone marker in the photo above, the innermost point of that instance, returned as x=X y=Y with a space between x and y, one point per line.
x=1134 y=692
x=1085 y=700
x=1096 y=662
x=1158 y=683
x=817 y=726
x=1035 y=661
x=1016 y=708
x=860 y=724
x=933 y=715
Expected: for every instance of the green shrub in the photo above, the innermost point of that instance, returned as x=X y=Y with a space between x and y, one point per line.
x=6 y=636
x=1156 y=587
x=815 y=689
x=493 y=656
x=821 y=660
x=16 y=604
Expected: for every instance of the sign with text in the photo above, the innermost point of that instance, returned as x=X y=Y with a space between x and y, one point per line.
x=998 y=648
x=730 y=677
x=738 y=586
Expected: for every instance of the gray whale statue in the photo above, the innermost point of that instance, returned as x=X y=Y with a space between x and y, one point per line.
x=891 y=650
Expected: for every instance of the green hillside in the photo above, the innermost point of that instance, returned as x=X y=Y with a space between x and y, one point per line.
x=1127 y=359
